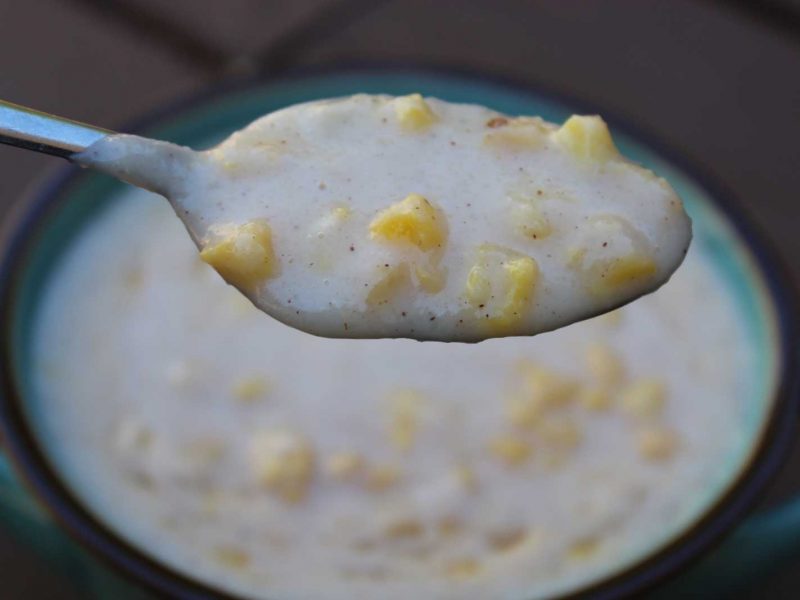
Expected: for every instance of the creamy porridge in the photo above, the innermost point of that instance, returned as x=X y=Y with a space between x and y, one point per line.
x=276 y=464
x=374 y=216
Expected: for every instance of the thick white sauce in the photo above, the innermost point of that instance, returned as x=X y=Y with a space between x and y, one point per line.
x=277 y=464
x=374 y=216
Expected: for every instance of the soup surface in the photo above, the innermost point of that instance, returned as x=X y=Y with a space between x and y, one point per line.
x=376 y=216
x=272 y=463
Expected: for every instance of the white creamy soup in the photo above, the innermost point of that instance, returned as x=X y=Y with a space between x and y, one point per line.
x=276 y=464
x=374 y=216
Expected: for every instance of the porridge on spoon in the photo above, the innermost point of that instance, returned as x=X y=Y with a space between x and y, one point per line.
x=379 y=216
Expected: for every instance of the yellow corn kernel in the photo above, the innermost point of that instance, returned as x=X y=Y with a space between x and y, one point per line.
x=244 y=255
x=232 y=557
x=413 y=113
x=530 y=222
x=542 y=389
x=553 y=388
x=413 y=221
x=395 y=279
x=251 y=389
x=613 y=255
x=246 y=163
x=521 y=133
x=624 y=271
x=587 y=138
x=405 y=408
x=284 y=463
x=644 y=397
x=463 y=568
x=522 y=273
x=431 y=279
x=524 y=410
x=381 y=477
x=501 y=285
x=479 y=285
x=575 y=256
x=345 y=466
x=594 y=398
x=604 y=364
x=656 y=443
x=513 y=451
x=607 y=277
x=248 y=153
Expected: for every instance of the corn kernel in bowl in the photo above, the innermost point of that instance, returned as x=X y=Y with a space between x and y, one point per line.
x=269 y=463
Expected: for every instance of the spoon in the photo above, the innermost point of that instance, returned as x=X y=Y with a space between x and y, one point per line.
x=376 y=216
x=27 y=128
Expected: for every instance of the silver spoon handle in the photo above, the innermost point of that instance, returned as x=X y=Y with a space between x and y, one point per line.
x=27 y=128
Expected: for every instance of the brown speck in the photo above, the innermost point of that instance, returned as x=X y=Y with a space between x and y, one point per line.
x=452 y=143
x=433 y=318
x=352 y=248
x=481 y=305
x=346 y=326
x=322 y=185
x=403 y=313
x=386 y=264
x=539 y=192
x=605 y=244
x=497 y=122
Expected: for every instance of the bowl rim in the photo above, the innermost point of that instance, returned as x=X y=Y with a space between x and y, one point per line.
x=35 y=205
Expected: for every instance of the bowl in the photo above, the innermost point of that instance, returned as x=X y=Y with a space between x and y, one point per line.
x=53 y=217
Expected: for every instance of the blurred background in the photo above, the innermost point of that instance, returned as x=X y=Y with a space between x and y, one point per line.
x=717 y=80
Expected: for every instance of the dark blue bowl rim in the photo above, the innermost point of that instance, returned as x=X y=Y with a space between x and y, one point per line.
x=16 y=241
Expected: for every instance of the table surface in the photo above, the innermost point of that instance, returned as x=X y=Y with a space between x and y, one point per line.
x=717 y=80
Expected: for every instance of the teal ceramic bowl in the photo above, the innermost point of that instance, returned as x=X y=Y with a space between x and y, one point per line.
x=49 y=221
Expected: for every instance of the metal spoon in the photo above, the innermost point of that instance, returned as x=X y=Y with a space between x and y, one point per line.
x=42 y=132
